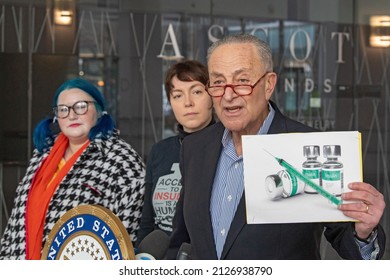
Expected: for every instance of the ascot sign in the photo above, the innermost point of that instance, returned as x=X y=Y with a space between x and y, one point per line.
x=171 y=46
x=170 y=41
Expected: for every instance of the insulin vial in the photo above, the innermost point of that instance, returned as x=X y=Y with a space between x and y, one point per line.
x=311 y=168
x=332 y=170
x=283 y=184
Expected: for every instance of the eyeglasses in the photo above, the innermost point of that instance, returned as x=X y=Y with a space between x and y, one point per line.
x=242 y=90
x=80 y=108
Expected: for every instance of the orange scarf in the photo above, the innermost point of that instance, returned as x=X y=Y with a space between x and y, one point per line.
x=44 y=184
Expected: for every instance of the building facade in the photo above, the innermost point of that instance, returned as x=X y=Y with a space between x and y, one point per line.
x=332 y=59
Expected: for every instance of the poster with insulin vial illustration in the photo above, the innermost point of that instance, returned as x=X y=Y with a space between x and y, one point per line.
x=299 y=177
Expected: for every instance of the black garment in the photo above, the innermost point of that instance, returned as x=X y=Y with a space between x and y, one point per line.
x=192 y=222
x=162 y=185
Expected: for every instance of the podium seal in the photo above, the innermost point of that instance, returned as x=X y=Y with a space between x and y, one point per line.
x=88 y=232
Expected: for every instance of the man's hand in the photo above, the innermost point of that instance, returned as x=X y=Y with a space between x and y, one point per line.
x=365 y=204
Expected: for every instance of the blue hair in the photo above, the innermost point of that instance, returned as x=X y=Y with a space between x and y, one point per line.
x=44 y=133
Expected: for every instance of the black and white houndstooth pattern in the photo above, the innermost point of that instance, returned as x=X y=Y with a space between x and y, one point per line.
x=108 y=173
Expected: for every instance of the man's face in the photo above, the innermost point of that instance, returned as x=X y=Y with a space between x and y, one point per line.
x=239 y=64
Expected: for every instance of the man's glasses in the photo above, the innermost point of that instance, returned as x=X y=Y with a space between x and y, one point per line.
x=80 y=108
x=242 y=90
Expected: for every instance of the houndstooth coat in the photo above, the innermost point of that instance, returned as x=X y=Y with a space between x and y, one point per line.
x=109 y=173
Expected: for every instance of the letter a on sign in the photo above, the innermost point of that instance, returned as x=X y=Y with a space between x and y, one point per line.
x=173 y=43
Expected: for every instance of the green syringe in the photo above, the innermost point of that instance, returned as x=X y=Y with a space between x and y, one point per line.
x=306 y=180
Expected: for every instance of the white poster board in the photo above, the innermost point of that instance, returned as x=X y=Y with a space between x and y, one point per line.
x=274 y=194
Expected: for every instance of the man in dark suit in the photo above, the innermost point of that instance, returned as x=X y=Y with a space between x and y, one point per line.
x=211 y=213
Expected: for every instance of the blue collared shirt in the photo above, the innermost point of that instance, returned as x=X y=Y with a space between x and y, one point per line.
x=228 y=185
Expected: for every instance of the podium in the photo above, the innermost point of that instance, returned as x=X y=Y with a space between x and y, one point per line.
x=88 y=232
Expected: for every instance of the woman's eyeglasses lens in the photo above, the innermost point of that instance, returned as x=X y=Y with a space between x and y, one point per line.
x=80 y=108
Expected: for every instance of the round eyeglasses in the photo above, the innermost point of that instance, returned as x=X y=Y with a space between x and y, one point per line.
x=242 y=90
x=80 y=108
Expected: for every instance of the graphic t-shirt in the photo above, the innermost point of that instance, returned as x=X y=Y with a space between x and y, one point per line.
x=165 y=197
x=162 y=187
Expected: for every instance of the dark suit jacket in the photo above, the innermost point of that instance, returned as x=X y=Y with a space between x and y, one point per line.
x=192 y=224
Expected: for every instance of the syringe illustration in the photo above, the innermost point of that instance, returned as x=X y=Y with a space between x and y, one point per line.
x=306 y=180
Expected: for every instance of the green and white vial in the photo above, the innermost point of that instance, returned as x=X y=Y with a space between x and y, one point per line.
x=283 y=185
x=332 y=174
x=311 y=168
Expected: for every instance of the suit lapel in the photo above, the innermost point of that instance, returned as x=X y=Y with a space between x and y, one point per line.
x=209 y=153
x=278 y=124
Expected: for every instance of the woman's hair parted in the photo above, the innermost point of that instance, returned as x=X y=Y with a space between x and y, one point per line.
x=185 y=71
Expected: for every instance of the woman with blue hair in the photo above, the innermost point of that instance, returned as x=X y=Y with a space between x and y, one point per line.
x=85 y=162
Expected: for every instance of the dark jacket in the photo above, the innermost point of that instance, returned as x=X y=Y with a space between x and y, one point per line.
x=192 y=223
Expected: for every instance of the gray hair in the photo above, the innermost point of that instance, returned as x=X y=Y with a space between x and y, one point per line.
x=263 y=49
